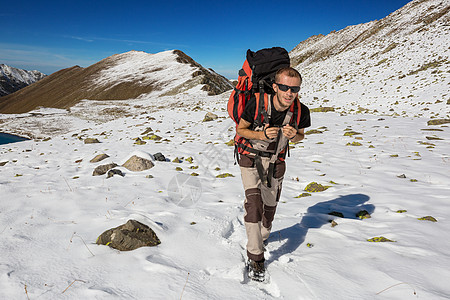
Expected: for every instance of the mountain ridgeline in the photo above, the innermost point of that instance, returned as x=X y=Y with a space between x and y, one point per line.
x=383 y=66
x=123 y=76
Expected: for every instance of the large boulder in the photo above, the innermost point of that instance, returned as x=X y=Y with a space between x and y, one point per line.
x=129 y=236
x=101 y=170
x=136 y=164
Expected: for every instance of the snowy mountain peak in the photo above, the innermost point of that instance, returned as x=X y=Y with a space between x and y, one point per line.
x=13 y=79
x=130 y=75
x=386 y=66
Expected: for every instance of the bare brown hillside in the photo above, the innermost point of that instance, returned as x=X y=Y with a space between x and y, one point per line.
x=118 y=77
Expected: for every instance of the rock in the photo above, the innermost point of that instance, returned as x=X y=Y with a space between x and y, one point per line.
x=136 y=164
x=147 y=131
x=401 y=176
x=91 y=141
x=438 y=121
x=101 y=170
x=363 y=214
x=336 y=214
x=159 y=156
x=3 y=163
x=113 y=172
x=99 y=157
x=129 y=236
x=210 y=117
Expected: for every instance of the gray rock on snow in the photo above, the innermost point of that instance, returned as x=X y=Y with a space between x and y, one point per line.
x=101 y=170
x=129 y=236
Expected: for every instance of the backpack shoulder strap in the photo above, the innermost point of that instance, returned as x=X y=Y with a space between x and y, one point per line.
x=263 y=108
x=296 y=109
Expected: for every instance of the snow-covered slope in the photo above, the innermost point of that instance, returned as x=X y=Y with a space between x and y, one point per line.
x=385 y=66
x=13 y=79
x=123 y=76
x=52 y=208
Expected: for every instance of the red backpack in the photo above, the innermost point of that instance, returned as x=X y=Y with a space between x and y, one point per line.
x=255 y=79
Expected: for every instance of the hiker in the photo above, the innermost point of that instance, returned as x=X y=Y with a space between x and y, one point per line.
x=262 y=159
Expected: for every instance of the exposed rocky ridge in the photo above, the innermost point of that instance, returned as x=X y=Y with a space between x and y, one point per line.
x=406 y=53
x=13 y=79
x=119 y=77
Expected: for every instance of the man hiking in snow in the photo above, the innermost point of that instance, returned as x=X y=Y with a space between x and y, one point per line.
x=263 y=166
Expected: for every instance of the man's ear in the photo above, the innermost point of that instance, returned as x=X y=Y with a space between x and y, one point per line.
x=275 y=87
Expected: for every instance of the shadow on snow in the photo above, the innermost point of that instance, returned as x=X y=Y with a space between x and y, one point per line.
x=315 y=217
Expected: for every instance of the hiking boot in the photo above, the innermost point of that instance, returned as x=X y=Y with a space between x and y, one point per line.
x=256 y=270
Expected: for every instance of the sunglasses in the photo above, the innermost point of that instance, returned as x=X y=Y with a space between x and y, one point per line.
x=285 y=88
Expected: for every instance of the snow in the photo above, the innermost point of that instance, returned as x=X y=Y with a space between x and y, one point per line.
x=53 y=209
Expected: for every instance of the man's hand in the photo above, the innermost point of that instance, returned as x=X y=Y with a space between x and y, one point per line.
x=270 y=132
x=289 y=131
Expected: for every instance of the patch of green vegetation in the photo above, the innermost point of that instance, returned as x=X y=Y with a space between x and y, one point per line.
x=380 y=239
x=315 y=187
x=224 y=175
x=322 y=109
x=351 y=133
x=354 y=144
x=400 y=211
x=433 y=138
x=438 y=121
x=313 y=131
x=230 y=142
x=381 y=61
x=426 y=66
x=427 y=218
x=303 y=195
x=139 y=142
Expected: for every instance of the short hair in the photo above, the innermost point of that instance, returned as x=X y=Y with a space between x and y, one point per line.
x=289 y=71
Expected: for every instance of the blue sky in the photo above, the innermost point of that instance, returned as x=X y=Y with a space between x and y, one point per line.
x=52 y=35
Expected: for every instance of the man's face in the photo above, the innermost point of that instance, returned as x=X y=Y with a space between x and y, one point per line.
x=285 y=99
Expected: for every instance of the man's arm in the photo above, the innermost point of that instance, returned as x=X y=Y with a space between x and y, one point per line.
x=244 y=131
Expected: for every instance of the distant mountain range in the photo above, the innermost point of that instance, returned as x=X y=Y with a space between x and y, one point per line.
x=13 y=79
x=119 y=77
x=384 y=66
x=401 y=60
